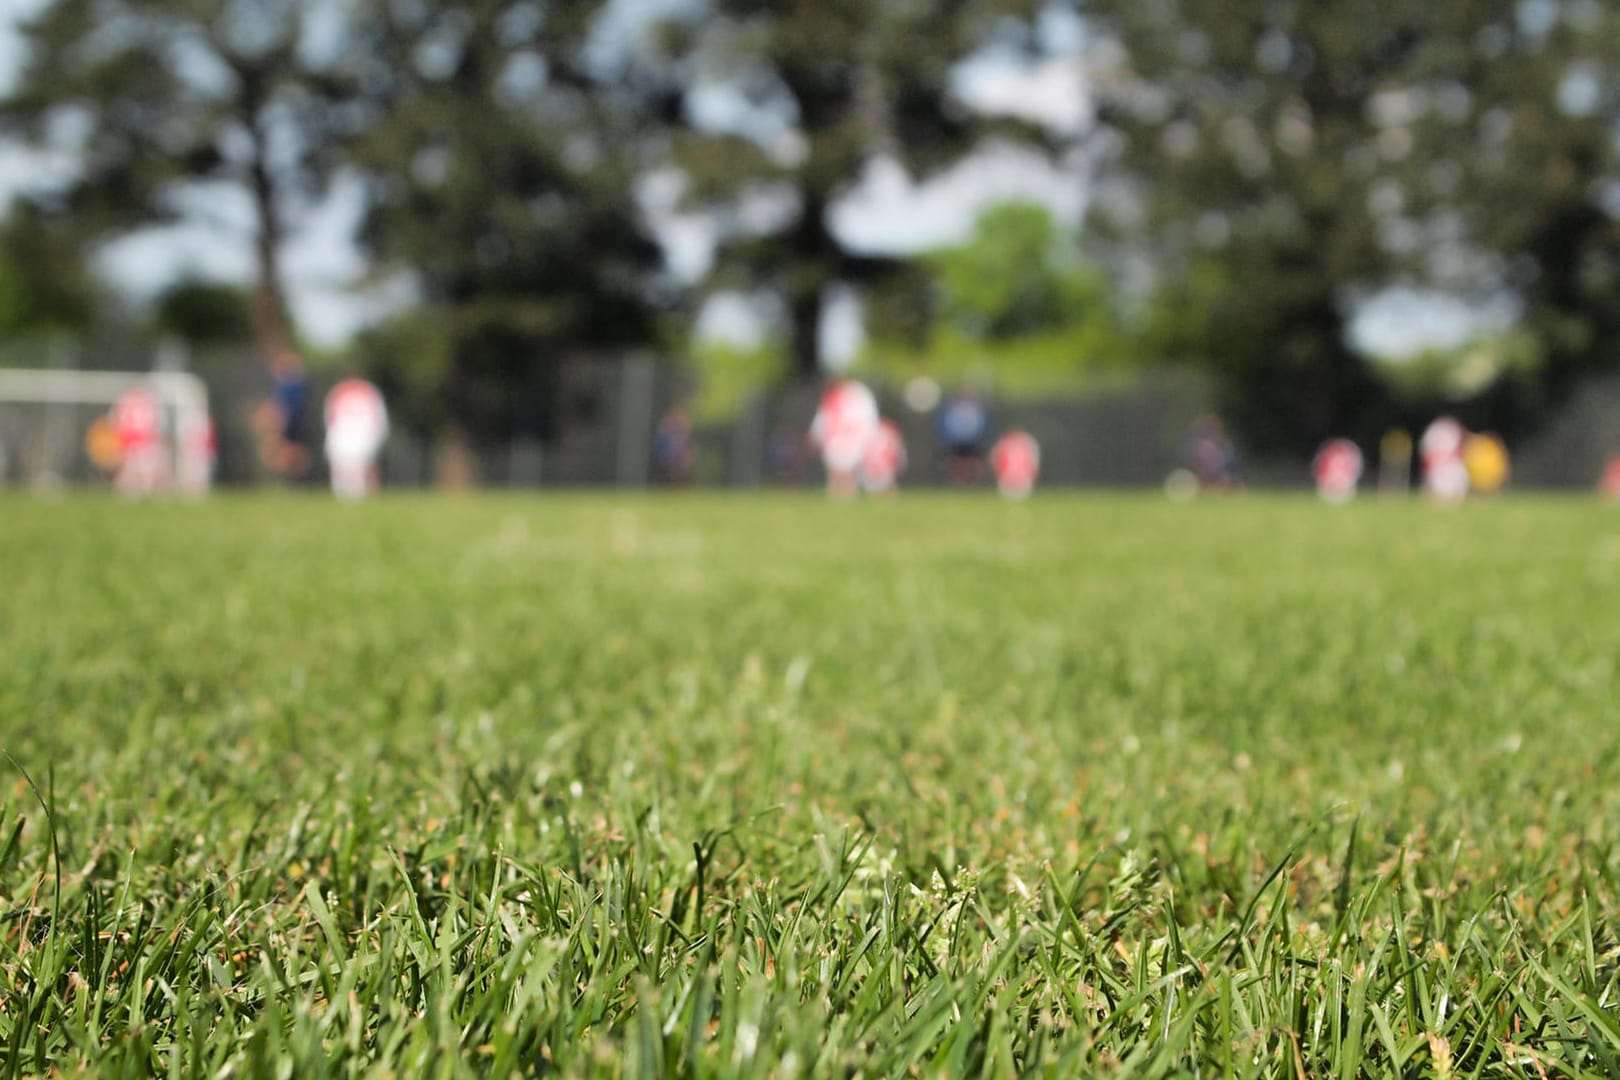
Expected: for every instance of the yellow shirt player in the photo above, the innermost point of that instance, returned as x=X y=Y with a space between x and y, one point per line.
x=103 y=446
x=1486 y=458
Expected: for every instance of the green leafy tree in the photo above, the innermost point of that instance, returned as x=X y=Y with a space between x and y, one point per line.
x=501 y=182
x=1277 y=161
x=1018 y=301
x=1247 y=165
x=1019 y=275
x=1461 y=378
x=1532 y=173
x=831 y=84
x=149 y=96
x=45 y=283
x=205 y=313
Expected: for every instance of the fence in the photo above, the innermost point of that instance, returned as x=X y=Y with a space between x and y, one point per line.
x=1117 y=434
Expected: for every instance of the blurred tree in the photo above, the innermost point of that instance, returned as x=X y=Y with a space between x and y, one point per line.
x=1019 y=275
x=1529 y=173
x=1459 y=379
x=1018 y=300
x=1247 y=165
x=1283 y=158
x=45 y=282
x=826 y=87
x=408 y=356
x=149 y=98
x=501 y=181
x=729 y=375
x=207 y=313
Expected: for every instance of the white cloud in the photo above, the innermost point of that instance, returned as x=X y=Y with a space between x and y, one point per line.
x=889 y=212
x=1397 y=324
x=1053 y=93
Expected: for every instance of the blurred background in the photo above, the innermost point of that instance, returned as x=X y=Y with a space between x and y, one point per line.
x=624 y=242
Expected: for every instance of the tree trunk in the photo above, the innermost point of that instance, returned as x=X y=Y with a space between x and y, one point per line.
x=272 y=329
x=813 y=249
x=804 y=311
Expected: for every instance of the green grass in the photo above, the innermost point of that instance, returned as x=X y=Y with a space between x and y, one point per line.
x=692 y=786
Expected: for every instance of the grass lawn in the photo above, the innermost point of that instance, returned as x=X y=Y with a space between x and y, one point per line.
x=764 y=786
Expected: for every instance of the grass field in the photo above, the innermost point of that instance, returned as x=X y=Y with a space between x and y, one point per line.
x=699 y=786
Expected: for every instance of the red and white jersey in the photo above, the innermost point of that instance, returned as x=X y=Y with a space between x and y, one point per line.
x=885 y=457
x=1016 y=459
x=356 y=420
x=1442 y=439
x=1440 y=451
x=845 y=422
x=1338 y=467
x=137 y=417
x=1609 y=482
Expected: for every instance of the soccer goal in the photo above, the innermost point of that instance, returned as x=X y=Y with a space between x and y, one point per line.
x=47 y=416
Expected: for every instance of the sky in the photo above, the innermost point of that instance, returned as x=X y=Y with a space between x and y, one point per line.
x=888 y=211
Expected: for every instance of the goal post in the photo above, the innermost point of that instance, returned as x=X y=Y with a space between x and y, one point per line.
x=60 y=393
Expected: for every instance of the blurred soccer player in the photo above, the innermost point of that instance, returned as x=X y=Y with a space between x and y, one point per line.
x=672 y=447
x=844 y=423
x=962 y=428
x=885 y=459
x=103 y=446
x=1440 y=451
x=1487 y=461
x=143 y=465
x=1016 y=459
x=356 y=428
x=1210 y=455
x=1337 y=469
x=1609 y=482
x=282 y=422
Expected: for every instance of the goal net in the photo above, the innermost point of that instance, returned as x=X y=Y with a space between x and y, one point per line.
x=51 y=421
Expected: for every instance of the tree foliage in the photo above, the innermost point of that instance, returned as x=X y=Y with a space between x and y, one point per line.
x=1281 y=160
x=1017 y=301
x=1532 y=181
x=157 y=102
x=1020 y=274
x=1248 y=158
x=832 y=84
x=206 y=313
x=45 y=287
x=501 y=181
